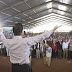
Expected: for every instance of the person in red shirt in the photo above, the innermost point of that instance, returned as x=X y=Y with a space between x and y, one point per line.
x=54 y=49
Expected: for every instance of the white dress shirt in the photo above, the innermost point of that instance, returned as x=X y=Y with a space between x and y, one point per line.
x=41 y=47
x=2 y=46
x=38 y=45
x=65 y=45
x=19 y=47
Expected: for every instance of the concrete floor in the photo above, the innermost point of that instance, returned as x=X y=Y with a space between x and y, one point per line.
x=57 y=65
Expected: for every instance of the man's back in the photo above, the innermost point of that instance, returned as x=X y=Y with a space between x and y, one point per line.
x=19 y=50
x=19 y=47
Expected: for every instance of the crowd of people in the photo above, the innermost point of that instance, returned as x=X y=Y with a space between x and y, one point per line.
x=60 y=47
x=43 y=46
x=52 y=47
x=3 y=50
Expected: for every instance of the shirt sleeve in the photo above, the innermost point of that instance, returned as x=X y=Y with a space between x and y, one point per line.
x=3 y=39
x=68 y=41
x=33 y=40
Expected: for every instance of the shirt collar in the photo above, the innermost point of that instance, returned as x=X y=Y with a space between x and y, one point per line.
x=17 y=37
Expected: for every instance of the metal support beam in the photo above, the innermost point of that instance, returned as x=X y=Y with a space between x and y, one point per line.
x=28 y=10
x=61 y=15
x=57 y=2
x=13 y=5
x=62 y=10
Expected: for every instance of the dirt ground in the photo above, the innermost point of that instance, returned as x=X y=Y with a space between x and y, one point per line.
x=57 y=65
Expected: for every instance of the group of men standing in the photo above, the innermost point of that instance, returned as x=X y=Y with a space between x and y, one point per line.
x=60 y=49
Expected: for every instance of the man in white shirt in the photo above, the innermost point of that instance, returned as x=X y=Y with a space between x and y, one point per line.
x=65 y=48
x=19 y=47
x=38 y=50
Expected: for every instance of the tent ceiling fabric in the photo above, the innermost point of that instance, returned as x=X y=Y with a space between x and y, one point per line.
x=35 y=12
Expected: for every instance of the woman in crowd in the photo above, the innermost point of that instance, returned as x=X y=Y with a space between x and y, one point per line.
x=54 y=49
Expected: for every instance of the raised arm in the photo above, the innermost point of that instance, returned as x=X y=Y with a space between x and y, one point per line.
x=68 y=41
x=2 y=38
x=33 y=40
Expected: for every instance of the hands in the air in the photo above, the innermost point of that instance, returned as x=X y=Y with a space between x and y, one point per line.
x=0 y=30
x=56 y=27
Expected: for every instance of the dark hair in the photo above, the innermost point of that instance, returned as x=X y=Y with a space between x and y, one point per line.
x=17 y=29
x=43 y=41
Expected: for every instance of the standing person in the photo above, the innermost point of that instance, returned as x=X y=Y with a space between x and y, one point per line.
x=38 y=50
x=59 y=49
x=70 y=50
x=44 y=53
x=65 y=48
x=48 y=55
x=33 y=51
x=19 y=47
x=54 y=49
